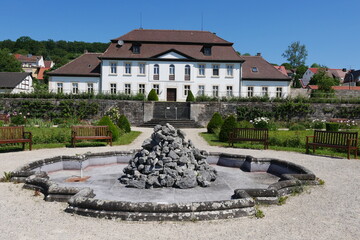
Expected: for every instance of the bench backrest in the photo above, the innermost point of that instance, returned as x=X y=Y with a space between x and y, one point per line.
x=90 y=130
x=7 y=133
x=335 y=138
x=251 y=133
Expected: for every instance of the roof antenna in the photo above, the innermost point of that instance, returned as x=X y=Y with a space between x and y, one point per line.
x=202 y=21
x=141 y=21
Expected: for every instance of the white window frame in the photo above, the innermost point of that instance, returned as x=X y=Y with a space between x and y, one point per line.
x=264 y=91
x=113 y=68
x=127 y=88
x=279 y=92
x=60 y=87
x=229 y=70
x=127 y=68
x=142 y=68
x=156 y=69
x=187 y=88
x=229 y=91
x=250 y=91
x=201 y=91
x=215 y=91
x=172 y=69
x=215 y=67
x=90 y=87
x=157 y=88
x=75 y=88
x=113 y=88
x=202 y=68
x=142 y=88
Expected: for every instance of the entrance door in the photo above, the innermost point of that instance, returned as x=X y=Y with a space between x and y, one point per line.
x=171 y=95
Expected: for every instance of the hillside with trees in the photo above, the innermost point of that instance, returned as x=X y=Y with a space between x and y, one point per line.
x=60 y=51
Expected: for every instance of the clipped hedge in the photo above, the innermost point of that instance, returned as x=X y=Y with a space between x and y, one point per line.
x=215 y=122
x=332 y=126
x=124 y=124
x=106 y=121
x=227 y=127
x=153 y=96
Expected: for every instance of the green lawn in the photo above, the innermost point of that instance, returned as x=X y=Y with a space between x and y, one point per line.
x=61 y=137
x=293 y=141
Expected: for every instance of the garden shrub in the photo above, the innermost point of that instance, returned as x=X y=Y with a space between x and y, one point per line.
x=114 y=114
x=293 y=141
x=153 y=96
x=1 y=123
x=124 y=124
x=332 y=126
x=227 y=127
x=261 y=122
x=250 y=113
x=288 y=110
x=318 y=124
x=297 y=127
x=245 y=124
x=190 y=97
x=17 y=119
x=106 y=121
x=215 y=123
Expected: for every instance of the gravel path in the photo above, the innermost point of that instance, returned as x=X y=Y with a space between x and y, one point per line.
x=331 y=211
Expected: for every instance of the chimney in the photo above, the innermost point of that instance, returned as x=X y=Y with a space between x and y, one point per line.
x=258 y=54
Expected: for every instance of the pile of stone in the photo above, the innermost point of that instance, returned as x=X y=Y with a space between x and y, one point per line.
x=167 y=160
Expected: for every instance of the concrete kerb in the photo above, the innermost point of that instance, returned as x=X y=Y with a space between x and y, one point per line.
x=81 y=201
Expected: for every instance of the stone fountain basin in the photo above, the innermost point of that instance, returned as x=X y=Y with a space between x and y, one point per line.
x=242 y=182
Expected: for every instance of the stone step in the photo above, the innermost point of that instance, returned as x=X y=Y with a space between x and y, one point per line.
x=179 y=123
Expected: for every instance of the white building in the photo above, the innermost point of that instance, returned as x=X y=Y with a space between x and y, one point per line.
x=16 y=82
x=171 y=62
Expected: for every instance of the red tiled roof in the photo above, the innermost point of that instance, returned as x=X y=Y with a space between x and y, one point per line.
x=40 y=74
x=48 y=64
x=172 y=36
x=24 y=58
x=157 y=42
x=315 y=87
x=282 y=69
x=265 y=71
x=87 y=64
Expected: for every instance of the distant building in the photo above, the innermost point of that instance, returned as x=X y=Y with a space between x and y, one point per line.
x=173 y=63
x=34 y=64
x=15 y=82
x=352 y=78
x=334 y=73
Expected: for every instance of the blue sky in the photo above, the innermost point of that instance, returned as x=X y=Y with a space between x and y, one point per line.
x=329 y=29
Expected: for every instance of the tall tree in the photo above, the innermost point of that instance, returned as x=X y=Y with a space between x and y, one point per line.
x=296 y=54
x=8 y=63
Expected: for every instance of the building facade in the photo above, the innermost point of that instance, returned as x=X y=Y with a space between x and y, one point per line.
x=16 y=82
x=171 y=62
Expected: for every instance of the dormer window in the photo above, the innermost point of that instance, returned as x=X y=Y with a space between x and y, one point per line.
x=207 y=50
x=254 y=69
x=136 y=48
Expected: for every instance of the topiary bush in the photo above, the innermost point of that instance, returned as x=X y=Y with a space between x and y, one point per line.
x=227 y=127
x=153 y=96
x=332 y=126
x=124 y=124
x=106 y=121
x=215 y=123
x=190 y=97
x=297 y=127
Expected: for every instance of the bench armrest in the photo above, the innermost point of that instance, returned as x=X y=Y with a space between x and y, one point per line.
x=73 y=134
x=307 y=139
x=109 y=133
x=352 y=139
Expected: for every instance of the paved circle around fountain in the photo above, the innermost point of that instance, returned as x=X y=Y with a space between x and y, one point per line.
x=104 y=181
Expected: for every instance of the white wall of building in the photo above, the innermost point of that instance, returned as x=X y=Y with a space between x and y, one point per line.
x=120 y=78
x=272 y=88
x=26 y=86
x=67 y=83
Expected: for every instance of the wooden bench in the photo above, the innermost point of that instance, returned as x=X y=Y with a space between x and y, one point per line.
x=87 y=132
x=340 y=140
x=15 y=135
x=5 y=118
x=249 y=134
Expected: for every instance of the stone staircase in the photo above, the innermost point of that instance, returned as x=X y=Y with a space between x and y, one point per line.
x=179 y=123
